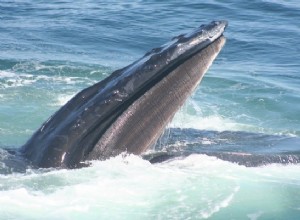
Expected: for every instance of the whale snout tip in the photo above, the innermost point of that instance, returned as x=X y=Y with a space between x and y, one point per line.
x=222 y=24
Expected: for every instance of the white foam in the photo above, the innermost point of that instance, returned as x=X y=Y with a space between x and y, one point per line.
x=255 y=216
x=12 y=79
x=6 y=74
x=220 y=205
x=61 y=79
x=197 y=186
x=212 y=122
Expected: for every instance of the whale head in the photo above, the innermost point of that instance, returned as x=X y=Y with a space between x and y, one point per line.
x=129 y=110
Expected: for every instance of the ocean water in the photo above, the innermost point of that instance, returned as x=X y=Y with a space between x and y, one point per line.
x=50 y=50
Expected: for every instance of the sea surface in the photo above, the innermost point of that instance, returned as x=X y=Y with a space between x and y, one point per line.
x=50 y=50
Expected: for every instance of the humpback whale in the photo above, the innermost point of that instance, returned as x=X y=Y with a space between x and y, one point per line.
x=129 y=110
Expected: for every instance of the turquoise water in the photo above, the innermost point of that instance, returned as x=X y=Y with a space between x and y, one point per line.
x=49 y=51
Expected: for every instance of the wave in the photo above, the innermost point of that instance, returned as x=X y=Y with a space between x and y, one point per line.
x=24 y=73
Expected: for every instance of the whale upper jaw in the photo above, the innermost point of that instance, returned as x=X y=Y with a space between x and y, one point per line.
x=128 y=110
